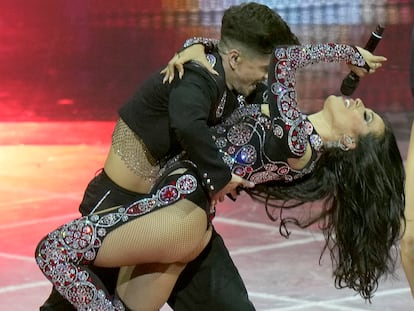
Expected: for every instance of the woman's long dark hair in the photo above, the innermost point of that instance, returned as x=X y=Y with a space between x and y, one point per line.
x=362 y=216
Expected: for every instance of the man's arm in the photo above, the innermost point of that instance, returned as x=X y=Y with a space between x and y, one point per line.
x=407 y=242
x=190 y=103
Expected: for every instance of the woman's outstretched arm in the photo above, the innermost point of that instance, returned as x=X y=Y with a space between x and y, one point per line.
x=407 y=243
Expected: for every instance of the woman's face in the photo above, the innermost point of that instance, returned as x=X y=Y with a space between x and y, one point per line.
x=350 y=117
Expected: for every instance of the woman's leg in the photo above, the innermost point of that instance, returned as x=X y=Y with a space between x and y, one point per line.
x=146 y=287
x=121 y=237
x=167 y=235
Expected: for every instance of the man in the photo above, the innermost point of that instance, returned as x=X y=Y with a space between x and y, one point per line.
x=160 y=121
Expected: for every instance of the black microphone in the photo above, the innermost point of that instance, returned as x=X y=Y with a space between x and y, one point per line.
x=412 y=62
x=350 y=83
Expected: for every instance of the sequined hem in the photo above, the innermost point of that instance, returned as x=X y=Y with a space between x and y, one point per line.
x=132 y=150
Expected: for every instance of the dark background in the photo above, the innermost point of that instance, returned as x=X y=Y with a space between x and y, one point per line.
x=80 y=59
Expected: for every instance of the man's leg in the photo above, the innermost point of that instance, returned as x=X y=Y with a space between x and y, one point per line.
x=211 y=282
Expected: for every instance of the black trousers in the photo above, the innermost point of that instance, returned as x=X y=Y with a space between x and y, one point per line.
x=209 y=283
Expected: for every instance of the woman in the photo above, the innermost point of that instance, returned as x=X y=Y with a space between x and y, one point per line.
x=350 y=169
x=340 y=155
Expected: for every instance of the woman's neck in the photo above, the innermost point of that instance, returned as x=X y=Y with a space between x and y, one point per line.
x=322 y=125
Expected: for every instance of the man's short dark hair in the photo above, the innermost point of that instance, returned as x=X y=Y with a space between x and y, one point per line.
x=255 y=26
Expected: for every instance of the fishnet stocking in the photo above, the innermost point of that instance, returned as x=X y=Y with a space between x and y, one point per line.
x=167 y=239
x=170 y=234
x=147 y=287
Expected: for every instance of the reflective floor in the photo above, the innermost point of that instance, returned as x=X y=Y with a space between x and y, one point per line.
x=41 y=185
x=80 y=60
x=65 y=68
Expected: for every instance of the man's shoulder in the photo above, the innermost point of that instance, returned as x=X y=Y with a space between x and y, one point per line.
x=195 y=72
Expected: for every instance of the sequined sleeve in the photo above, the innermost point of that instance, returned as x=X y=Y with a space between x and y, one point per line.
x=300 y=56
x=289 y=125
x=210 y=45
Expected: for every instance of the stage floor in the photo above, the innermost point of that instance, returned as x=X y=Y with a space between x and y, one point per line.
x=44 y=168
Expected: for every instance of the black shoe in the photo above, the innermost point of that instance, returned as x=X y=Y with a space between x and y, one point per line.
x=56 y=302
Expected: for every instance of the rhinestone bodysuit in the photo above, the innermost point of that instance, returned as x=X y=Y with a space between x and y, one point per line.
x=256 y=146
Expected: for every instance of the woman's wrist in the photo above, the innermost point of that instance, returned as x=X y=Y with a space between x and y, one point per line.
x=209 y=44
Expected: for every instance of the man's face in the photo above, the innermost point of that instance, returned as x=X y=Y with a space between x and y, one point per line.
x=249 y=71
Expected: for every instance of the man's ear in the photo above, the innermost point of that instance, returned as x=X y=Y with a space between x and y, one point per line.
x=234 y=57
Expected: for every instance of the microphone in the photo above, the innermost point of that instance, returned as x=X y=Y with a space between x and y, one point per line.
x=350 y=83
x=412 y=62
